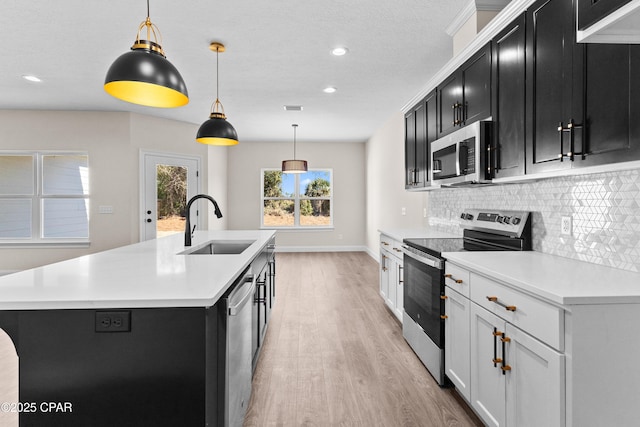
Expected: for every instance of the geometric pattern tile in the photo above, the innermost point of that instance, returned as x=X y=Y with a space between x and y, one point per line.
x=605 y=209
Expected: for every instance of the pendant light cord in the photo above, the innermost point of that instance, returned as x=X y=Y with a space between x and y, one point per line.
x=217 y=73
x=148 y=14
x=294 y=140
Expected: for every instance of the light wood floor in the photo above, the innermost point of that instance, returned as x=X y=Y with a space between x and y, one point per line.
x=334 y=354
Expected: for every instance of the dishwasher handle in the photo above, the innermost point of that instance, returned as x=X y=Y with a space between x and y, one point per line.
x=235 y=309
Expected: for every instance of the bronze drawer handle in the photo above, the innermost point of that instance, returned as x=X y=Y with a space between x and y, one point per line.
x=449 y=276
x=501 y=304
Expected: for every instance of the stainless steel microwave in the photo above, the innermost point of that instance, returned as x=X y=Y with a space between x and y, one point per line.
x=461 y=157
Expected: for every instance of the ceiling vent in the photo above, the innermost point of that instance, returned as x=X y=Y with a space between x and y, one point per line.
x=293 y=107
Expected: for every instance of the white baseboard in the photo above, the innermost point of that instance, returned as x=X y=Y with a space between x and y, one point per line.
x=321 y=249
x=5 y=272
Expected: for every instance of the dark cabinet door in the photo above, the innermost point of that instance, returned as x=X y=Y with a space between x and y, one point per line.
x=611 y=105
x=465 y=96
x=476 y=88
x=550 y=54
x=591 y=11
x=409 y=149
x=449 y=104
x=420 y=130
x=421 y=145
x=507 y=154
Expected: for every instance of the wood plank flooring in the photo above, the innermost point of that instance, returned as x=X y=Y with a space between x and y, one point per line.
x=334 y=355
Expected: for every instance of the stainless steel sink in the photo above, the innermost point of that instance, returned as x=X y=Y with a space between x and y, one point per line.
x=220 y=247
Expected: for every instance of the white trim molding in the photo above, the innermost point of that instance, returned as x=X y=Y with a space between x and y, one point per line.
x=497 y=24
x=472 y=7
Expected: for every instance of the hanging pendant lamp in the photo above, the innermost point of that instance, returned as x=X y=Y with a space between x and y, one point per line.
x=144 y=76
x=217 y=130
x=294 y=166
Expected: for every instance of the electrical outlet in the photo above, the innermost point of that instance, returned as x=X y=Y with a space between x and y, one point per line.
x=404 y=211
x=424 y=212
x=565 y=225
x=113 y=321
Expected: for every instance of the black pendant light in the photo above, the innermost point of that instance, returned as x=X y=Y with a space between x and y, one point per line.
x=144 y=76
x=217 y=130
x=294 y=166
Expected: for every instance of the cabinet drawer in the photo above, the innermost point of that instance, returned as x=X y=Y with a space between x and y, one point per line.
x=392 y=246
x=457 y=278
x=542 y=320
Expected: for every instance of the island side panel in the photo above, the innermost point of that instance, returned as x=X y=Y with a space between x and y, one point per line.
x=153 y=374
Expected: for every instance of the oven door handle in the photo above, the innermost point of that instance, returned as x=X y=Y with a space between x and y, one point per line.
x=435 y=263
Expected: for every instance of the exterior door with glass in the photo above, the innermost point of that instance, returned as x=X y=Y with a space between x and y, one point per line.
x=168 y=182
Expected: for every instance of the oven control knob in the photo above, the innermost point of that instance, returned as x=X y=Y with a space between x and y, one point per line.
x=507 y=219
x=500 y=219
x=463 y=215
x=516 y=221
x=468 y=216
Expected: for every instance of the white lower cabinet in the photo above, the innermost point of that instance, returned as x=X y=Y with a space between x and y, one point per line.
x=509 y=376
x=516 y=380
x=391 y=275
x=488 y=382
x=535 y=385
x=456 y=341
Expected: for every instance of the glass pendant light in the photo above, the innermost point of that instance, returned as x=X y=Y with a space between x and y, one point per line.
x=294 y=166
x=217 y=130
x=144 y=76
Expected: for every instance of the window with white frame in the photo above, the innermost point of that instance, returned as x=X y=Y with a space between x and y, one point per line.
x=300 y=201
x=44 y=197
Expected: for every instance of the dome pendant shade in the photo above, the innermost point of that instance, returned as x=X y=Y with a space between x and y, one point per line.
x=294 y=166
x=217 y=131
x=144 y=76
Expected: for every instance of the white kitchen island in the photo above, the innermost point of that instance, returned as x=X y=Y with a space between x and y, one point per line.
x=156 y=359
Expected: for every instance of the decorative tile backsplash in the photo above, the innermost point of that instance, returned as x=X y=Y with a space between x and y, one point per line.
x=605 y=210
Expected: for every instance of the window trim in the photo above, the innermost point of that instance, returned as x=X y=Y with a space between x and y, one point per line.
x=37 y=198
x=297 y=197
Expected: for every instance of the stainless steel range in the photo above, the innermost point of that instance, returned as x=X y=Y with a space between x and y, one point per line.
x=423 y=322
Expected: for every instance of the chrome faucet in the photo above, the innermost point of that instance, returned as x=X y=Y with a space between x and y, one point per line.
x=187 y=226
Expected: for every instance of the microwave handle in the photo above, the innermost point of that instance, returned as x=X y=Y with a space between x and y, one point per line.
x=463 y=158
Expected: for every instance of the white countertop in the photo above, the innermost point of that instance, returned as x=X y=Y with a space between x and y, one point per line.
x=146 y=274
x=407 y=233
x=556 y=279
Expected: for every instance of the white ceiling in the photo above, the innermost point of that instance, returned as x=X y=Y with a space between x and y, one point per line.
x=278 y=53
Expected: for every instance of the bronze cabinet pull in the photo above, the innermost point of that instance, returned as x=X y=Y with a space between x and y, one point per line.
x=495 y=300
x=504 y=366
x=449 y=276
x=496 y=359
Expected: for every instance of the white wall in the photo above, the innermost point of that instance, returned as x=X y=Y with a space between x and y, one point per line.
x=113 y=141
x=348 y=163
x=385 y=184
x=217 y=186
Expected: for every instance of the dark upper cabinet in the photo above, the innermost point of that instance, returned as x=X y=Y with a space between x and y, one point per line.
x=465 y=96
x=582 y=99
x=507 y=151
x=611 y=105
x=410 y=148
x=551 y=53
x=591 y=11
x=420 y=131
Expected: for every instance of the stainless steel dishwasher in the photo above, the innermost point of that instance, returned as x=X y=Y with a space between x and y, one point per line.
x=238 y=351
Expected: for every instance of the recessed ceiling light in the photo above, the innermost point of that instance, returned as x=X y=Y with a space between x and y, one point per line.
x=339 y=51
x=31 y=78
x=293 y=107
x=329 y=89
